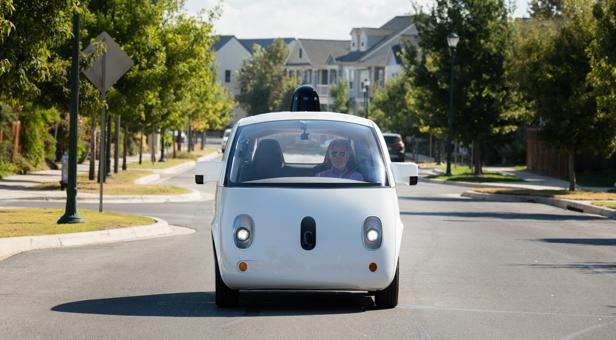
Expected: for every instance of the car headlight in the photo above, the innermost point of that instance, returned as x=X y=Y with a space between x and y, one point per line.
x=243 y=231
x=372 y=233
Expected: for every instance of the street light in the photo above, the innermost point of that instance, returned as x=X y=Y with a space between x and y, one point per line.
x=452 y=41
x=365 y=90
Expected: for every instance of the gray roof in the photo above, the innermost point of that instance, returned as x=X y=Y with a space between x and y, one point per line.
x=264 y=43
x=318 y=50
x=222 y=40
x=394 y=26
x=398 y=23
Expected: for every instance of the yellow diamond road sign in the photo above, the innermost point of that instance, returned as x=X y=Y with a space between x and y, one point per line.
x=108 y=67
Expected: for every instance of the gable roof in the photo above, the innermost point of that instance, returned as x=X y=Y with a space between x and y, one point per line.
x=319 y=50
x=264 y=43
x=222 y=41
x=394 y=27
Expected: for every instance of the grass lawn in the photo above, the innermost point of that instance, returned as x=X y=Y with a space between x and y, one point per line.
x=121 y=183
x=34 y=221
x=462 y=173
x=520 y=167
x=562 y=194
x=611 y=205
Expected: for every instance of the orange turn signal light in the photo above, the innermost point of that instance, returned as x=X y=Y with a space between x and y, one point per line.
x=243 y=266
x=373 y=267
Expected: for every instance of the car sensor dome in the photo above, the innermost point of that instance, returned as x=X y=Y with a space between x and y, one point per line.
x=305 y=98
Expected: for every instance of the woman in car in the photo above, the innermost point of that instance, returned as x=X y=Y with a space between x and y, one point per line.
x=341 y=162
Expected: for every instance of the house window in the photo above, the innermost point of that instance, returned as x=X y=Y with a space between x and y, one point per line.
x=300 y=53
x=290 y=74
x=351 y=85
x=362 y=43
x=324 y=77
x=333 y=78
x=227 y=76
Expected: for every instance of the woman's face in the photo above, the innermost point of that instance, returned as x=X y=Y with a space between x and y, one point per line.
x=339 y=157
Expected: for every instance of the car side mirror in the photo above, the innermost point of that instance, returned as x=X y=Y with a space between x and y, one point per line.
x=405 y=173
x=208 y=171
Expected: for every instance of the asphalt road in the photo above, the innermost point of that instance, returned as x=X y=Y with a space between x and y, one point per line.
x=469 y=270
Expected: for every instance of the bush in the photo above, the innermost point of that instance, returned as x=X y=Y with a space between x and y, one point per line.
x=7 y=169
x=22 y=164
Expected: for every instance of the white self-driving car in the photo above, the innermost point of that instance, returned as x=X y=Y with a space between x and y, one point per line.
x=306 y=201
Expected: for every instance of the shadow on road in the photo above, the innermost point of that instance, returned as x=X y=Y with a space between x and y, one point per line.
x=201 y=304
x=582 y=241
x=585 y=267
x=504 y=215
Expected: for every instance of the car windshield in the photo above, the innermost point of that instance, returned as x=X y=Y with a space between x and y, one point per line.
x=391 y=139
x=306 y=152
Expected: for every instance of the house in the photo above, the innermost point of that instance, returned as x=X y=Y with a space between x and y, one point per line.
x=374 y=56
x=370 y=57
x=230 y=53
x=314 y=61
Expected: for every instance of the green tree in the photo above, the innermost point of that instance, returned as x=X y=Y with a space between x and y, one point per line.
x=393 y=109
x=6 y=8
x=483 y=107
x=263 y=80
x=563 y=98
x=545 y=9
x=340 y=93
x=602 y=76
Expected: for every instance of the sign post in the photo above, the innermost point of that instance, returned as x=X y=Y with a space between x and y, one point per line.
x=105 y=71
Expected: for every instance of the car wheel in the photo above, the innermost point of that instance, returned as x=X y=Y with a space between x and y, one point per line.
x=225 y=296
x=388 y=297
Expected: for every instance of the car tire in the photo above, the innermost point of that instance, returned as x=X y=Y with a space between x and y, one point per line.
x=388 y=297
x=225 y=296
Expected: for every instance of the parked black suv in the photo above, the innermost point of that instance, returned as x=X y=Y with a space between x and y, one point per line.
x=395 y=146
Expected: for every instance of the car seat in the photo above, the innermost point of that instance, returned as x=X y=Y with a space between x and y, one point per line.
x=267 y=162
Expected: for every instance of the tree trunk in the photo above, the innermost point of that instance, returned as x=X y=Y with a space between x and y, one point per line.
x=190 y=136
x=430 y=146
x=108 y=151
x=126 y=145
x=477 y=157
x=173 y=142
x=153 y=146
x=203 y=136
x=162 y=146
x=414 y=149
x=92 y=168
x=141 y=147
x=571 y=171
x=116 y=149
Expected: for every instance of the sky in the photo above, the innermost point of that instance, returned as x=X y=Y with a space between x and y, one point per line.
x=321 y=19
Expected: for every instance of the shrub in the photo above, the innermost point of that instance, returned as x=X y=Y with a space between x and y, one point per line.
x=7 y=169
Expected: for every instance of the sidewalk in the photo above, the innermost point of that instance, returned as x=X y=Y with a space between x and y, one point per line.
x=532 y=181
x=21 y=187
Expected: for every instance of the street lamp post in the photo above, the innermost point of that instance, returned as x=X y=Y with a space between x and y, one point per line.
x=365 y=90
x=452 y=41
x=70 y=213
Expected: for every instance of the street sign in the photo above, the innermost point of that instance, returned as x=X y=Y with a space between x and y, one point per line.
x=103 y=73
x=116 y=63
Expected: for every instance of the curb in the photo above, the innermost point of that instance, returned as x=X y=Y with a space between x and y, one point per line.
x=563 y=204
x=194 y=196
x=10 y=246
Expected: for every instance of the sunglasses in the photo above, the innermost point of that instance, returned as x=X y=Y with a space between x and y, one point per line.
x=338 y=153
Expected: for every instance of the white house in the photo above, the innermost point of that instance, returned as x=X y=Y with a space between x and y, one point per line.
x=371 y=56
x=230 y=54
